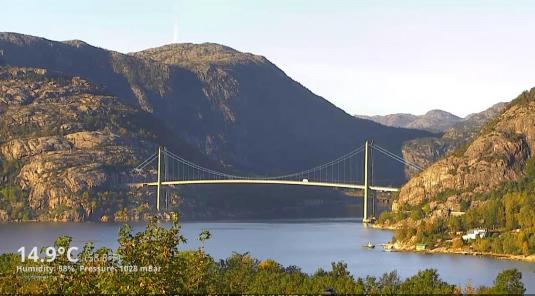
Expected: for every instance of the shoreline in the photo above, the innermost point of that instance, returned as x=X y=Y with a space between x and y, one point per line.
x=445 y=250
x=195 y=220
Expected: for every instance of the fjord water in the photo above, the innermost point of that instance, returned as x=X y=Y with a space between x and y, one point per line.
x=307 y=243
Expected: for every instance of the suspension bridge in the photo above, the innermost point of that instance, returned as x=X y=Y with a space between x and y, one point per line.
x=173 y=170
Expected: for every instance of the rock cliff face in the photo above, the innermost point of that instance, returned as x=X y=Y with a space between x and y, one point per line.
x=425 y=151
x=498 y=154
x=68 y=138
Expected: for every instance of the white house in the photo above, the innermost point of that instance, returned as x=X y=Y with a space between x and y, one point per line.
x=474 y=233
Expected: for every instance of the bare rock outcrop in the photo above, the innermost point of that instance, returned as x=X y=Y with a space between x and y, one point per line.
x=65 y=140
x=20 y=148
x=92 y=140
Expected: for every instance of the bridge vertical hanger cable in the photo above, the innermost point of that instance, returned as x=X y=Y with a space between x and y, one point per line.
x=338 y=172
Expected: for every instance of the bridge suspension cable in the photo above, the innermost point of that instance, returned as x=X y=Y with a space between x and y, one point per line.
x=342 y=169
x=396 y=157
x=146 y=162
x=200 y=168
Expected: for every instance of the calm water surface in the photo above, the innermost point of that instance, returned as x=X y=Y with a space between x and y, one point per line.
x=309 y=244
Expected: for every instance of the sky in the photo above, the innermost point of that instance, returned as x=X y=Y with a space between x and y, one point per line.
x=366 y=57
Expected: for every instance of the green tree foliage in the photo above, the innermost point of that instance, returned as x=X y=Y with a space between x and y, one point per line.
x=426 y=282
x=12 y=199
x=508 y=282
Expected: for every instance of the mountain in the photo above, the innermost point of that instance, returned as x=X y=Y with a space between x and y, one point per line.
x=237 y=108
x=433 y=121
x=211 y=104
x=496 y=155
x=427 y=150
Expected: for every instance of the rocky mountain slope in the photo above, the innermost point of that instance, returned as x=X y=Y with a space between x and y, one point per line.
x=237 y=108
x=496 y=155
x=64 y=142
x=433 y=121
x=427 y=150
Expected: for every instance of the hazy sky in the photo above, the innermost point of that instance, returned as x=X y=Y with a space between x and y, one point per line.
x=367 y=57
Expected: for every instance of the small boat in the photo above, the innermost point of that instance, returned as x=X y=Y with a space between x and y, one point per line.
x=388 y=247
x=369 y=245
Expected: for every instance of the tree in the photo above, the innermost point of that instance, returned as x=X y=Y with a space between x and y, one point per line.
x=525 y=216
x=389 y=283
x=426 y=282
x=156 y=246
x=509 y=282
x=512 y=203
x=529 y=169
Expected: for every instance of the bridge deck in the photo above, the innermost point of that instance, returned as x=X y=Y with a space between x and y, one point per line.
x=280 y=182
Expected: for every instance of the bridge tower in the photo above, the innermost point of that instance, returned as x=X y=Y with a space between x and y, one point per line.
x=159 y=186
x=366 y=185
